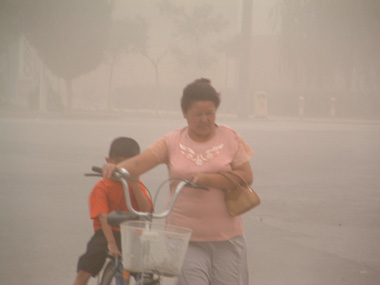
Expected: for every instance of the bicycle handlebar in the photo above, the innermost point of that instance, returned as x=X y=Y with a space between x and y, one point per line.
x=123 y=175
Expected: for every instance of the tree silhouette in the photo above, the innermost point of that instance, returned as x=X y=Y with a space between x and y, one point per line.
x=70 y=36
x=194 y=33
x=10 y=31
x=189 y=31
x=126 y=36
x=321 y=40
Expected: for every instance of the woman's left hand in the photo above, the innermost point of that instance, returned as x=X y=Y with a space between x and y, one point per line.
x=200 y=179
x=215 y=180
x=208 y=180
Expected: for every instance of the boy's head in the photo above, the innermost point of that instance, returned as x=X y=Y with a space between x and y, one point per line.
x=122 y=148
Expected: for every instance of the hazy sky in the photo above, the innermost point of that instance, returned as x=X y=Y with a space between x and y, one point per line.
x=260 y=11
x=142 y=72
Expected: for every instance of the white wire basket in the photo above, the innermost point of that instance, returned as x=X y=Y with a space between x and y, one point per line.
x=151 y=247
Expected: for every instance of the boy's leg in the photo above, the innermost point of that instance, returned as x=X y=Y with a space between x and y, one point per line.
x=93 y=259
x=82 y=278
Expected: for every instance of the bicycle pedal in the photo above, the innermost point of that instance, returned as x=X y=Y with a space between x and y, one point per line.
x=151 y=280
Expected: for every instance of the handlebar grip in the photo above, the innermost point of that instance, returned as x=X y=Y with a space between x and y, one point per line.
x=120 y=172
x=97 y=169
x=200 y=187
x=190 y=183
x=97 y=172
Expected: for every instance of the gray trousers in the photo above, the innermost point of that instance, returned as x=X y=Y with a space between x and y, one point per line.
x=215 y=263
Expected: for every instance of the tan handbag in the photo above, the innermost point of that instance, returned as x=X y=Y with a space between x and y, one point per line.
x=242 y=198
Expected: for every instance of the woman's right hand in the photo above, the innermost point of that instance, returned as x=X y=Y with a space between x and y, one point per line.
x=108 y=169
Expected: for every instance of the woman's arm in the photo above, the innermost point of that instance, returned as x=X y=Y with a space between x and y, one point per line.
x=136 y=165
x=215 y=180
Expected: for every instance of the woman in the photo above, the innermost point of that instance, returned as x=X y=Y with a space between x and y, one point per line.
x=201 y=150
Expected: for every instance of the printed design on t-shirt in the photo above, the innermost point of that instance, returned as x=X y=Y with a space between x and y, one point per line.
x=200 y=158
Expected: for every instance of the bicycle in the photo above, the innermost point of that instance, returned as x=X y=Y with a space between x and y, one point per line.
x=149 y=251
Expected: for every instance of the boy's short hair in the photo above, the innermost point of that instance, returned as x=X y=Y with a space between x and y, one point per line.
x=123 y=147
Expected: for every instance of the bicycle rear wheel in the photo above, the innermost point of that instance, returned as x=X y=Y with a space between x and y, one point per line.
x=112 y=276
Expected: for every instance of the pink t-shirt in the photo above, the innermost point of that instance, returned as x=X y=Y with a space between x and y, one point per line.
x=202 y=211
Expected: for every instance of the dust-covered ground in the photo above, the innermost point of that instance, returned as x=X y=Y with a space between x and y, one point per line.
x=319 y=181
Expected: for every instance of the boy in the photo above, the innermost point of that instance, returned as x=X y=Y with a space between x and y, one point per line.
x=108 y=196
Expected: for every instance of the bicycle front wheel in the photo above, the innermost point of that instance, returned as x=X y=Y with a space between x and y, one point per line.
x=112 y=276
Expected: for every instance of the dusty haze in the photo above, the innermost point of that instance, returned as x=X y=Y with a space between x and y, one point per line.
x=309 y=108
x=294 y=59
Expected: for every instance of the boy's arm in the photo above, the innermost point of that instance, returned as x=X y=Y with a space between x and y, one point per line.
x=142 y=201
x=107 y=230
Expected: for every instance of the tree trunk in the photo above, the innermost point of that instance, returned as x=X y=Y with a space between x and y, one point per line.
x=69 y=85
x=158 y=92
x=42 y=88
x=245 y=59
x=109 y=97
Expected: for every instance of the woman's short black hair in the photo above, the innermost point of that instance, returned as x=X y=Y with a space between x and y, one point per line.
x=199 y=90
x=123 y=147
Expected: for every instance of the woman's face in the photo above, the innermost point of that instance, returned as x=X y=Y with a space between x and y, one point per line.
x=201 y=120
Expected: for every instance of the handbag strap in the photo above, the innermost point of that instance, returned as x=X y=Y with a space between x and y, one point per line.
x=228 y=176
x=239 y=176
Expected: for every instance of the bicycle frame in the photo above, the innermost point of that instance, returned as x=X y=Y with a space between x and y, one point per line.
x=147 y=215
x=115 y=218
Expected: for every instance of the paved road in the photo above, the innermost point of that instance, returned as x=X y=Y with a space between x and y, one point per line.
x=319 y=222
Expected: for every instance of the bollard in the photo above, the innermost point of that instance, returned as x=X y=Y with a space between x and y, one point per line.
x=301 y=107
x=260 y=105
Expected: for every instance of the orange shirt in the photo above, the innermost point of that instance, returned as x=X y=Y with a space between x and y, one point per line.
x=107 y=196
